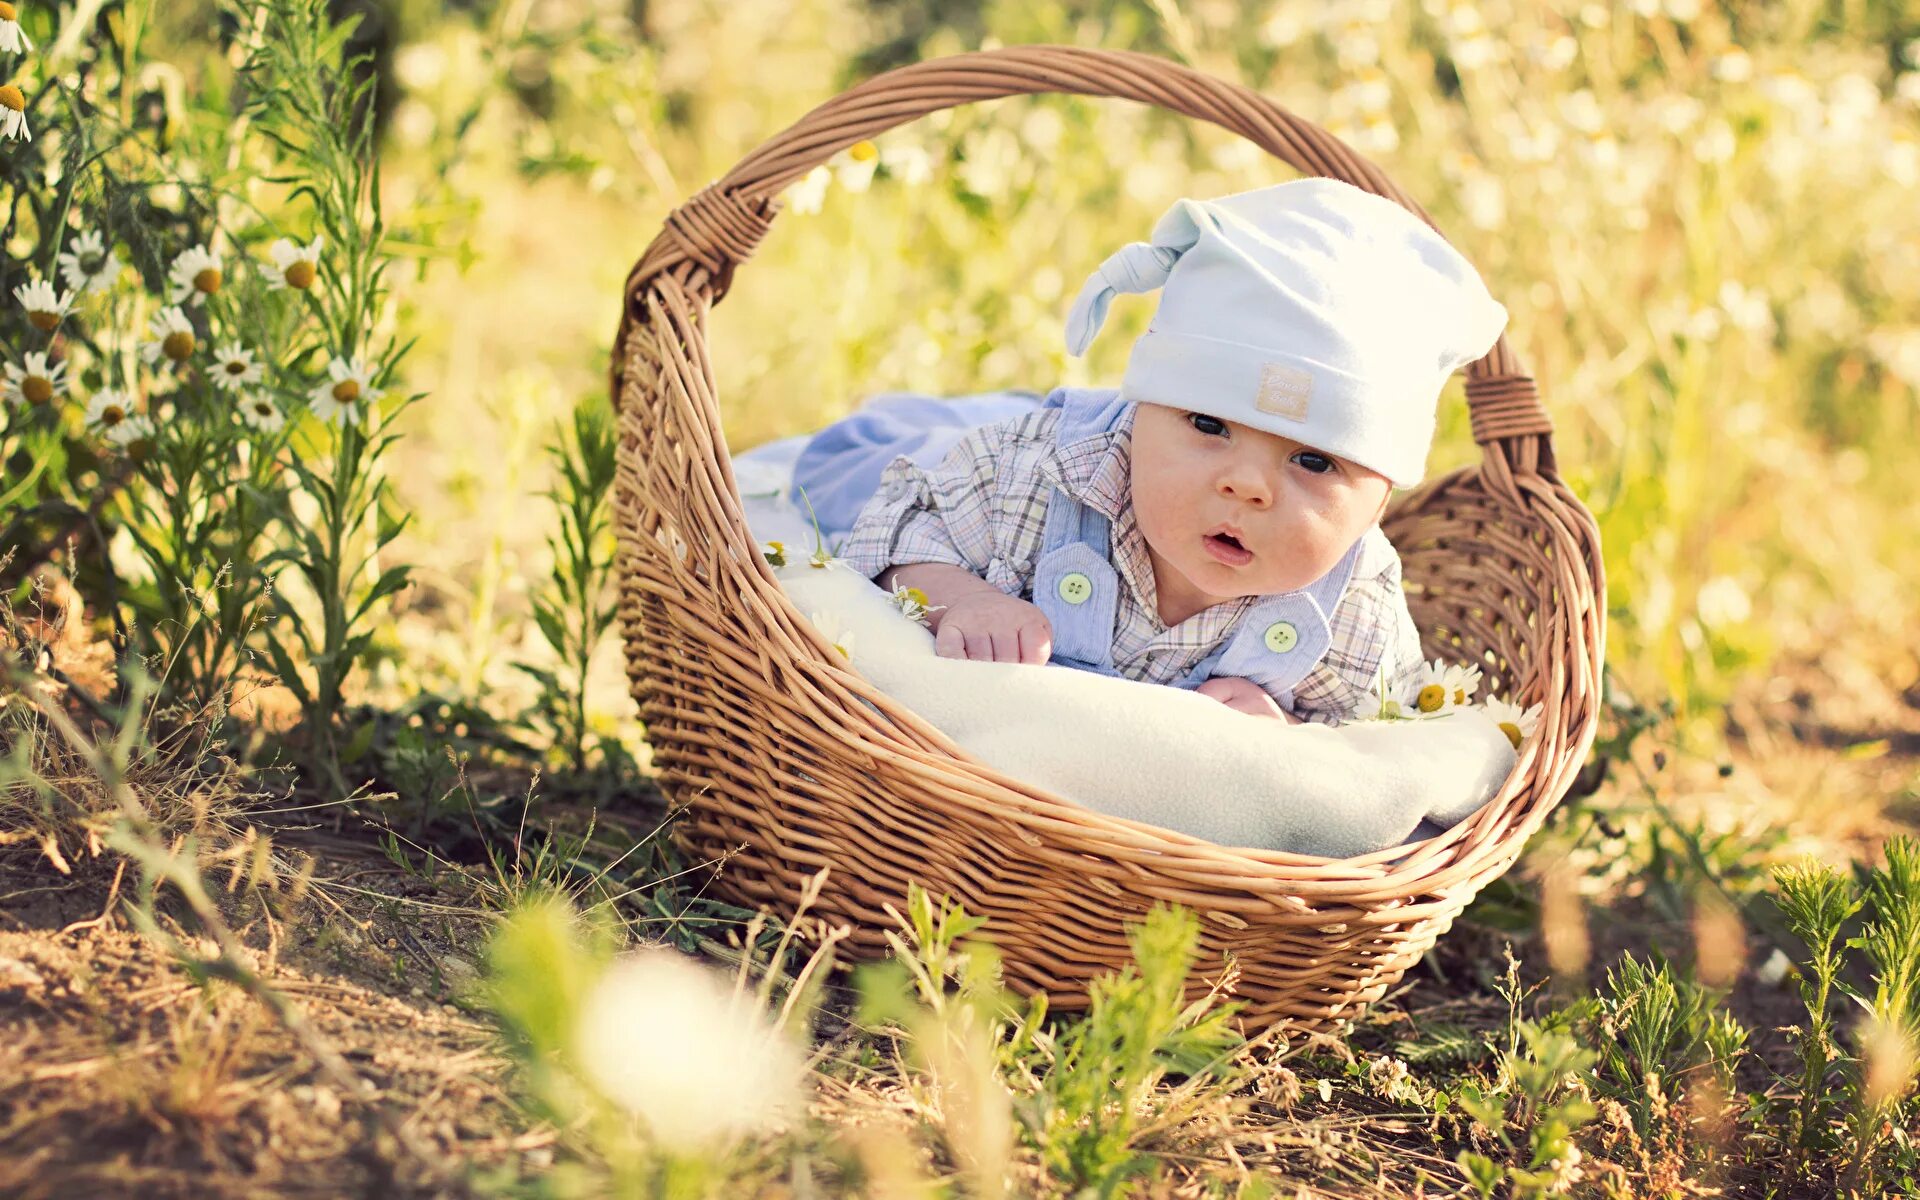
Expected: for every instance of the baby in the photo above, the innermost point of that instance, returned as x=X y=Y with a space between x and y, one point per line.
x=1213 y=523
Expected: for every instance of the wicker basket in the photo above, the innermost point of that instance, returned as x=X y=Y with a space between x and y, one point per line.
x=791 y=762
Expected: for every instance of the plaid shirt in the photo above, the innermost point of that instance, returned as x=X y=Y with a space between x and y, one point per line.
x=984 y=508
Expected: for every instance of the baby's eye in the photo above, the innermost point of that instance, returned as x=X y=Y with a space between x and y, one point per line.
x=1318 y=463
x=1211 y=426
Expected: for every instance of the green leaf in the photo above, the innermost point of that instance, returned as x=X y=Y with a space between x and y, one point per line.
x=289 y=674
x=391 y=580
x=358 y=745
x=1488 y=1108
x=1482 y=1172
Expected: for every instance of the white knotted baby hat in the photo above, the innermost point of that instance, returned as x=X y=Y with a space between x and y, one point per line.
x=1311 y=309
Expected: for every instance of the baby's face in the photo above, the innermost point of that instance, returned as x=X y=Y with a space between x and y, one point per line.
x=1293 y=511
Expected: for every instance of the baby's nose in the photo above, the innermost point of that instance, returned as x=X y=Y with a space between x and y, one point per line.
x=1249 y=489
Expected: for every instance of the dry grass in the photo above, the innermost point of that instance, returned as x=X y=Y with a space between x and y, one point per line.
x=140 y=1079
x=135 y=1078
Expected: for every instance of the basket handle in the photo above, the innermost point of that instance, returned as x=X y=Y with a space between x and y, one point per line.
x=718 y=227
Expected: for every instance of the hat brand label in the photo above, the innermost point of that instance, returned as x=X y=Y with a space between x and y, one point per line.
x=1284 y=391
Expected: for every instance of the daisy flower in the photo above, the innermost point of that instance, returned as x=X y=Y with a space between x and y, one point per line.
x=809 y=192
x=234 y=368
x=261 y=413
x=35 y=382
x=1517 y=725
x=195 y=275
x=87 y=265
x=294 y=266
x=1441 y=687
x=909 y=163
x=854 y=166
x=137 y=427
x=1430 y=693
x=350 y=385
x=108 y=410
x=12 y=40
x=726 y=1073
x=775 y=553
x=1461 y=682
x=44 y=309
x=13 y=114
x=172 y=337
x=912 y=603
x=839 y=638
x=1381 y=703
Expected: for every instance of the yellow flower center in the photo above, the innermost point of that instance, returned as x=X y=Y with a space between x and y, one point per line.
x=863 y=152
x=7 y=11
x=11 y=97
x=843 y=651
x=300 y=275
x=917 y=596
x=1512 y=731
x=112 y=415
x=262 y=408
x=178 y=345
x=236 y=367
x=208 y=280
x=1460 y=696
x=346 y=391
x=45 y=322
x=36 y=389
x=1431 y=698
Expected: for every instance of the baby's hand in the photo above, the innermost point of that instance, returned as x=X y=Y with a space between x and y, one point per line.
x=991 y=626
x=1244 y=695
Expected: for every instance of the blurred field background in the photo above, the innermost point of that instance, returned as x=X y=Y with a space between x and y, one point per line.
x=1701 y=216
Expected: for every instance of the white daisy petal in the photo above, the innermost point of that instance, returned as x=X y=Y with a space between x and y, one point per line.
x=137 y=427
x=13 y=113
x=294 y=265
x=1428 y=694
x=261 y=413
x=1517 y=725
x=108 y=409
x=33 y=381
x=195 y=275
x=171 y=337
x=45 y=309
x=13 y=40
x=234 y=368
x=87 y=265
x=348 y=389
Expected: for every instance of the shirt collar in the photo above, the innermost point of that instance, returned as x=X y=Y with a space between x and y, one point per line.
x=1096 y=470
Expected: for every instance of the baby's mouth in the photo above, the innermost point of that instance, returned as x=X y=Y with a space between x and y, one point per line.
x=1228 y=549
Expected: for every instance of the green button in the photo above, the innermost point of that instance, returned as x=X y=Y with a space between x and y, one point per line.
x=1075 y=588
x=1282 y=637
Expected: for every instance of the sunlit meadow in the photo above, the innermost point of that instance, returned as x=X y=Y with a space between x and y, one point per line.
x=353 y=529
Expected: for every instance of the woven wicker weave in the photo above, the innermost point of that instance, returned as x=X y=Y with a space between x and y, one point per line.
x=791 y=762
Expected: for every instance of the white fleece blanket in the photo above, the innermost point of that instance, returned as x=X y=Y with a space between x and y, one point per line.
x=1149 y=753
